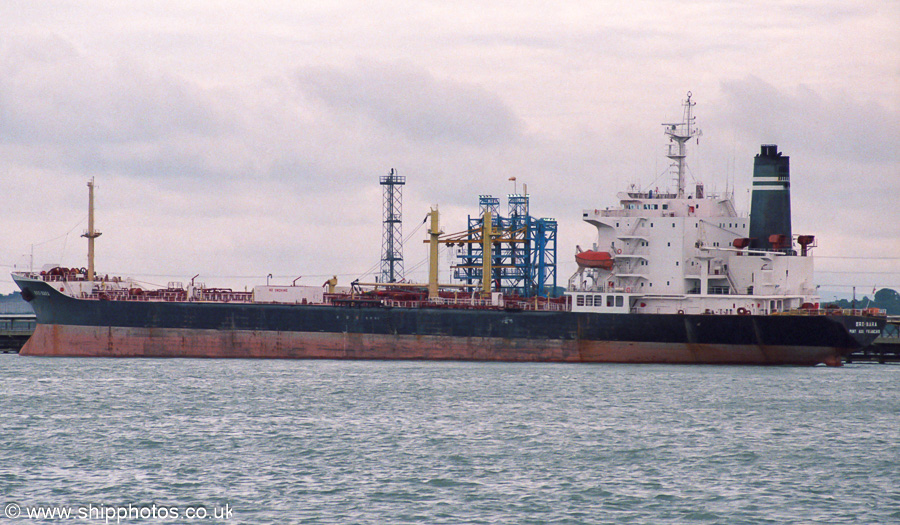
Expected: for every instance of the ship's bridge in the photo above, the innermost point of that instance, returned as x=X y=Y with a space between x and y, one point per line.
x=708 y=207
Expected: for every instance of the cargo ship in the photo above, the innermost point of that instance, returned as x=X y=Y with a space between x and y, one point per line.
x=670 y=277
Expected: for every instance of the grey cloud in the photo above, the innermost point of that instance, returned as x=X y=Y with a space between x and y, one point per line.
x=414 y=103
x=89 y=115
x=840 y=127
x=52 y=94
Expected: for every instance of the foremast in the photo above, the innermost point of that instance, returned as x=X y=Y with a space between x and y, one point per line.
x=91 y=233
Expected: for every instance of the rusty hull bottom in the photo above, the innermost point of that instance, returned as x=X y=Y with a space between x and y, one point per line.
x=91 y=341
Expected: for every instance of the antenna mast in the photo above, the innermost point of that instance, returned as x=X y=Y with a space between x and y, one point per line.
x=91 y=233
x=679 y=134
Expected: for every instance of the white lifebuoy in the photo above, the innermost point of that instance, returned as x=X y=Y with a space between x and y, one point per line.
x=619 y=250
x=627 y=289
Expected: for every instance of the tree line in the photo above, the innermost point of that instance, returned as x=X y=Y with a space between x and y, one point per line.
x=884 y=299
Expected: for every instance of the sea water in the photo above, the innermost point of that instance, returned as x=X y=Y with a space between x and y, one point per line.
x=254 y=441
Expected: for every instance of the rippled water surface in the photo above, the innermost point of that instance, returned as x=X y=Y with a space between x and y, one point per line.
x=439 y=442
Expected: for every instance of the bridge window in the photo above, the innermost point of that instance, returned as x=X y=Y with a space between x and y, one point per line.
x=610 y=300
x=579 y=300
x=589 y=300
x=620 y=301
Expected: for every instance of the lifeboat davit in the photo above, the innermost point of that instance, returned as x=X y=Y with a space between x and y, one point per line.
x=594 y=259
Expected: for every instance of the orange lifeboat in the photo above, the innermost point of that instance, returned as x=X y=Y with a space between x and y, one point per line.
x=594 y=259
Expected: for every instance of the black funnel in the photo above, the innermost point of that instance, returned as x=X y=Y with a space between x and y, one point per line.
x=770 y=206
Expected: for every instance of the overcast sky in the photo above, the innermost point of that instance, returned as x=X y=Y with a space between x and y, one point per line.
x=236 y=139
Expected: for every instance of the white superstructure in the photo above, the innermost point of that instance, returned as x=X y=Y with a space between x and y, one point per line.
x=688 y=252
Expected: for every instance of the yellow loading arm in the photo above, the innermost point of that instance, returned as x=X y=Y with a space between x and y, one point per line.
x=434 y=234
x=487 y=233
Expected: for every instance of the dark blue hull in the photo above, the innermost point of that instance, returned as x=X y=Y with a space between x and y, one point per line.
x=69 y=326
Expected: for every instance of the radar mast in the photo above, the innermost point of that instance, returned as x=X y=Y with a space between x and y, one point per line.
x=679 y=133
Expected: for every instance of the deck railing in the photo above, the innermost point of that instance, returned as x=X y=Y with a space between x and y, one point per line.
x=865 y=312
x=482 y=304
